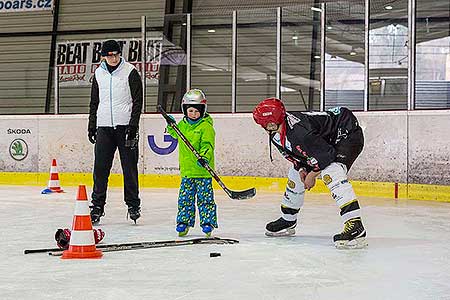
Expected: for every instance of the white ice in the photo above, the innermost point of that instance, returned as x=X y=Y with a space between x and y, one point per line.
x=408 y=255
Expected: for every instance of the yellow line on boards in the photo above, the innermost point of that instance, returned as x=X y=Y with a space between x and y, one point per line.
x=439 y=193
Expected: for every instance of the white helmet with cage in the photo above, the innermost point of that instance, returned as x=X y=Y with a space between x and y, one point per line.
x=194 y=98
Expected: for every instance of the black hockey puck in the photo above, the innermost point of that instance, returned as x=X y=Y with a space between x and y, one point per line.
x=214 y=254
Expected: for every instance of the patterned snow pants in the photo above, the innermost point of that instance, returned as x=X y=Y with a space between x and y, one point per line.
x=189 y=189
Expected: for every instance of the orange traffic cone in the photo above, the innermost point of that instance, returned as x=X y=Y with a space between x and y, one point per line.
x=53 y=183
x=82 y=244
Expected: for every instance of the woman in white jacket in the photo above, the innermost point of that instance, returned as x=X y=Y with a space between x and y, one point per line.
x=115 y=109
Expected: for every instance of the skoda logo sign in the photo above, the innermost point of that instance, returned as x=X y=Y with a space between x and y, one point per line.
x=18 y=149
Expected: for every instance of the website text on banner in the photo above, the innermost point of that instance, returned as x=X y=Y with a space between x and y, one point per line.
x=25 y=5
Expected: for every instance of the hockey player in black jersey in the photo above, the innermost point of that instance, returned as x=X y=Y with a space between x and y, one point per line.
x=321 y=143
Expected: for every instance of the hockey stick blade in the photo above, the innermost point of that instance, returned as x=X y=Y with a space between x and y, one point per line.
x=236 y=195
x=242 y=195
x=158 y=244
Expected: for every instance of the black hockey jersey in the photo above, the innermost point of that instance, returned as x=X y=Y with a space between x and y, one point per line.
x=309 y=139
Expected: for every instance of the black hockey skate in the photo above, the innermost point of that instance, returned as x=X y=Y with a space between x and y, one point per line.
x=134 y=213
x=352 y=237
x=96 y=213
x=281 y=227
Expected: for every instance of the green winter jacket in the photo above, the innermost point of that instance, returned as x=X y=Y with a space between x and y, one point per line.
x=202 y=136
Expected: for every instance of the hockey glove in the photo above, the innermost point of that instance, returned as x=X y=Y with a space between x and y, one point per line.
x=131 y=137
x=62 y=237
x=98 y=235
x=92 y=135
x=202 y=162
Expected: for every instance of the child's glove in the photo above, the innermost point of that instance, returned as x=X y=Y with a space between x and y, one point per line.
x=170 y=120
x=202 y=162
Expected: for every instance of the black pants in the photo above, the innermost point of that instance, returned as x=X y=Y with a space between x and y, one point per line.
x=108 y=140
x=348 y=149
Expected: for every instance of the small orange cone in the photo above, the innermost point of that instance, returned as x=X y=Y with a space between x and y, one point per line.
x=53 y=183
x=82 y=244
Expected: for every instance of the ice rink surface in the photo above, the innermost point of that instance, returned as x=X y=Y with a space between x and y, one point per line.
x=408 y=255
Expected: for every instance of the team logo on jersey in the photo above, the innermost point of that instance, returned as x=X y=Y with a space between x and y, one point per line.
x=291 y=184
x=312 y=161
x=292 y=120
x=327 y=179
x=335 y=110
x=18 y=149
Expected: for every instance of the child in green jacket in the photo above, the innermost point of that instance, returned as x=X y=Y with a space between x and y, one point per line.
x=196 y=182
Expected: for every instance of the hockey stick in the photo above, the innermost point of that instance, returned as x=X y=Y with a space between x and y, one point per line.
x=240 y=195
x=158 y=244
x=104 y=246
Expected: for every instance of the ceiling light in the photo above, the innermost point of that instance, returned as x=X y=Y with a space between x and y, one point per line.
x=316 y=9
x=184 y=24
x=329 y=27
x=388 y=7
x=353 y=52
x=295 y=37
x=317 y=56
x=211 y=30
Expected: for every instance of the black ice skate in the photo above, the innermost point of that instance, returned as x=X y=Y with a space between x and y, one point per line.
x=96 y=213
x=134 y=213
x=281 y=227
x=352 y=237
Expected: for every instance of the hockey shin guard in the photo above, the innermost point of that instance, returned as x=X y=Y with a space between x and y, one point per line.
x=335 y=177
x=293 y=197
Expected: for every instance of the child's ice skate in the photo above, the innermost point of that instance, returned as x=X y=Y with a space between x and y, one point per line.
x=207 y=230
x=281 y=227
x=182 y=229
x=352 y=237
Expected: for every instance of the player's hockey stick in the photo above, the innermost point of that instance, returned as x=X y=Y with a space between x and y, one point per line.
x=212 y=240
x=240 y=195
x=158 y=244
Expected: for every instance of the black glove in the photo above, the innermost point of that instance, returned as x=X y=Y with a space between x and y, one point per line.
x=202 y=162
x=131 y=138
x=92 y=135
x=130 y=133
x=170 y=120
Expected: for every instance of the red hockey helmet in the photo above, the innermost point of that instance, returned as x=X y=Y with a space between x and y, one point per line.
x=270 y=110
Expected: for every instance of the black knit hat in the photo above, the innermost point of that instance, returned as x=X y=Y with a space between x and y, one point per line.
x=110 y=47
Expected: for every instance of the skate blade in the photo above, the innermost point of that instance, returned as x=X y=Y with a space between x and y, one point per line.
x=284 y=232
x=359 y=243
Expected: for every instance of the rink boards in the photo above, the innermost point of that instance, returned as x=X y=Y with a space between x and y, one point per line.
x=399 y=147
